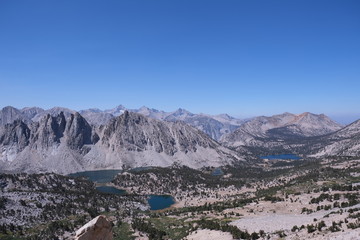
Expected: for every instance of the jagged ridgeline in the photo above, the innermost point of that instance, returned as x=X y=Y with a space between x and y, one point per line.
x=213 y=125
x=63 y=141
x=69 y=144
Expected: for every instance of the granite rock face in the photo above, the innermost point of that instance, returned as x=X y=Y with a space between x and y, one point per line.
x=136 y=132
x=17 y=134
x=98 y=228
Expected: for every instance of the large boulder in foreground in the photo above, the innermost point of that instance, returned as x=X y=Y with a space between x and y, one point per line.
x=97 y=229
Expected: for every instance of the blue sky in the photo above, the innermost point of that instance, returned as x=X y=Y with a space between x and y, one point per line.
x=244 y=58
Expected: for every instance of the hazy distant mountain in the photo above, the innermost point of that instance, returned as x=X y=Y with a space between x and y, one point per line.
x=96 y=117
x=277 y=130
x=151 y=112
x=53 y=112
x=70 y=144
x=214 y=126
x=10 y=114
x=117 y=111
x=31 y=112
x=344 y=142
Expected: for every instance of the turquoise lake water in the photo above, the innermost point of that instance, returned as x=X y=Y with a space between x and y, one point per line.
x=158 y=202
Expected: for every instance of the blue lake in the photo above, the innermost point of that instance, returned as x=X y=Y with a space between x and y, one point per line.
x=100 y=176
x=282 y=157
x=217 y=172
x=158 y=202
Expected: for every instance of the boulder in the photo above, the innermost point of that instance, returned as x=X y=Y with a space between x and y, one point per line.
x=99 y=228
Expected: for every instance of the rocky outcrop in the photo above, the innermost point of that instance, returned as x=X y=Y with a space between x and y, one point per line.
x=79 y=132
x=99 y=228
x=48 y=131
x=96 y=117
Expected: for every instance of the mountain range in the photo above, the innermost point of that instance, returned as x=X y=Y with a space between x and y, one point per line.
x=280 y=130
x=62 y=140
x=69 y=144
x=213 y=125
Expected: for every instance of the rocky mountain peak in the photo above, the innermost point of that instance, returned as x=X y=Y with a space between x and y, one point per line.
x=181 y=111
x=116 y=111
x=9 y=114
x=79 y=132
x=49 y=130
x=16 y=133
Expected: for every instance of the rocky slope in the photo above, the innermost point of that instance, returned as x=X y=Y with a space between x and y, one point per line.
x=279 y=129
x=345 y=142
x=133 y=140
x=53 y=144
x=65 y=145
x=214 y=126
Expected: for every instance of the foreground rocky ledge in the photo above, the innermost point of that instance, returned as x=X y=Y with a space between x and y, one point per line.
x=99 y=228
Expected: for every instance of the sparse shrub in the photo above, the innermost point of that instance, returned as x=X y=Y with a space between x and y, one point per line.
x=310 y=228
x=294 y=228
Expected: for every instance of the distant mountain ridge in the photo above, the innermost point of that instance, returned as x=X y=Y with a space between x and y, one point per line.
x=305 y=133
x=215 y=126
x=280 y=131
x=68 y=144
x=344 y=142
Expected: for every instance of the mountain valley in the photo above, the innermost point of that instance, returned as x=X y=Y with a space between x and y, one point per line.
x=215 y=168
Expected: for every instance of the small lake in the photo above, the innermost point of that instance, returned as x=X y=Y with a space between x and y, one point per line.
x=158 y=202
x=282 y=157
x=99 y=176
x=217 y=172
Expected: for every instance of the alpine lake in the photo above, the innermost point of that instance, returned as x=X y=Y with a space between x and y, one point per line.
x=101 y=177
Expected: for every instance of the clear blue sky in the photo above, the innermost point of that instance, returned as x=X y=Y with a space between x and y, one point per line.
x=239 y=57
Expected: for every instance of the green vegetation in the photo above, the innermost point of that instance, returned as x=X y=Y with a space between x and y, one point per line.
x=122 y=231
